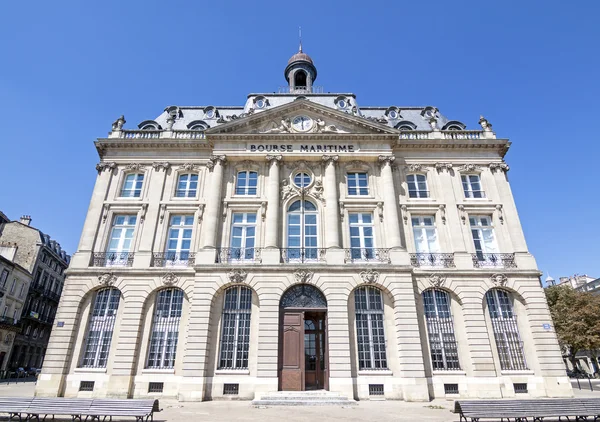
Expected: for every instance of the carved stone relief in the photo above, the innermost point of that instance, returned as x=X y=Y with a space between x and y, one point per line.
x=169 y=279
x=437 y=280
x=107 y=279
x=100 y=167
x=161 y=166
x=237 y=276
x=303 y=276
x=369 y=276
x=499 y=280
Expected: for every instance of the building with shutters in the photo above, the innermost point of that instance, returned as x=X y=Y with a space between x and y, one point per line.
x=301 y=241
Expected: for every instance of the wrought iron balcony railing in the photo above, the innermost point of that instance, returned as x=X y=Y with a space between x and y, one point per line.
x=291 y=255
x=498 y=260
x=238 y=255
x=50 y=294
x=113 y=259
x=368 y=255
x=432 y=260
x=173 y=259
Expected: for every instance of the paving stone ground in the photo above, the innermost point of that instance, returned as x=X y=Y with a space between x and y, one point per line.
x=380 y=411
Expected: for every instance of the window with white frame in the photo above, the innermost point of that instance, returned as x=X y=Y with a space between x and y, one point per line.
x=235 y=328
x=472 y=186
x=187 y=186
x=417 y=186
x=440 y=328
x=370 y=333
x=120 y=242
x=243 y=233
x=506 y=330
x=302 y=231
x=246 y=183
x=483 y=235
x=425 y=234
x=132 y=185
x=179 y=239
x=361 y=236
x=100 y=328
x=165 y=329
x=358 y=183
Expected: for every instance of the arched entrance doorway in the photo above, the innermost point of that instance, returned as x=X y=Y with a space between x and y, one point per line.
x=303 y=351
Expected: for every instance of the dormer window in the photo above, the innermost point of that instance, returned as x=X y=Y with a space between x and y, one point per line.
x=406 y=126
x=454 y=125
x=342 y=103
x=261 y=102
x=149 y=125
x=392 y=113
x=429 y=112
x=211 y=112
x=198 y=125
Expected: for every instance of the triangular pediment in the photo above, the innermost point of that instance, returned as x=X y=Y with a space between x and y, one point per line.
x=301 y=117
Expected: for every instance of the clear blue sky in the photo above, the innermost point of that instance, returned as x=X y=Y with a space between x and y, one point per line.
x=68 y=69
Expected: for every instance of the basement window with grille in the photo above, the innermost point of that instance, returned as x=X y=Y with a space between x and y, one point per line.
x=520 y=387
x=231 y=389
x=155 y=387
x=86 y=385
x=450 y=388
x=375 y=389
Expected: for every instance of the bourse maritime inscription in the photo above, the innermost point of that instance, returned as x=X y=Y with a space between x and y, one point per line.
x=301 y=148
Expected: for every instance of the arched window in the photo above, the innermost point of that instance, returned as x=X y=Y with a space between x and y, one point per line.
x=235 y=328
x=100 y=328
x=300 y=79
x=302 y=232
x=165 y=329
x=506 y=330
x=246 y=183
x=440 y=328
x=370 y=334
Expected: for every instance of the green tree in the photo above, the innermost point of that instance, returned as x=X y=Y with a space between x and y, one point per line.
x=576 y=317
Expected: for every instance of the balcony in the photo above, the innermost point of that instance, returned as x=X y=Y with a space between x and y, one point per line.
x=112 y=259
x=239 y=255
x=367 y=255
x=432 y=260
x=173 y=259
x=302 y=255
x=52 y=296
x=10 y=323
x=494 y=260
x=37 y=287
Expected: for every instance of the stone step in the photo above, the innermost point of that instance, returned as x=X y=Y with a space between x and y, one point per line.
x=300 y=397
x=304 y=402
x=303 y=398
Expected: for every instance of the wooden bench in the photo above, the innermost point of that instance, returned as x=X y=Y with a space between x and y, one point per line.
x=527 y=410
x=77 y=409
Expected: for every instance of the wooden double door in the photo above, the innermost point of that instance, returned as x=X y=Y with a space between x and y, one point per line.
x=303 y=353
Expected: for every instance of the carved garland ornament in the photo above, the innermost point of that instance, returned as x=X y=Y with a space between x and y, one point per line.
x=499 y=280
x=188 y=167
x=415 y=167
x=107 y=279
x=469 y=168
x=303 y=276
x=237 y=276
x=135 y=167
x=437 y=280
x=169 y=279
x=369 y=276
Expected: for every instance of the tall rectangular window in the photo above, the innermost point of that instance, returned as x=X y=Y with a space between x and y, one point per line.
x=100 y=329
x=120 y=242
x=440 y=327
x=483 y=235
x=246 y=183
x=417 y=186
x=180 y=239
x=132 y=185
x=187 y=186
x=361 y=236
x=370 y=334
x=472 y=186
x=358 y=184
x=243 y=233
x=235 y=328
x=425 y=233
x=165 y=329
x=13 y=285
x=3 y=278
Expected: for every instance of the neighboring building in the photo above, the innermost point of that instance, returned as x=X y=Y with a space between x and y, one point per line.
x=302 y=242
x=14 y=284
x=45 y=261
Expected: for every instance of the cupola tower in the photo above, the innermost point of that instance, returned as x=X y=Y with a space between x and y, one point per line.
x=300 y=72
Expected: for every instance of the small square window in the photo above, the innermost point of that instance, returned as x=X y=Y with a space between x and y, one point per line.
x=187 y=186
x=450 y=388
x=132 y=186
x=520 y=387
x=246 y=183
x=376 y=390
x=231 y=389
x=358 y=184
x=472 y=186
x=86 y=385
x=155 y=387
x=417 y=186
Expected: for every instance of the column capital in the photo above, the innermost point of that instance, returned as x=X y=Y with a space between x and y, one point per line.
x=100 y=167
x=214 y=159
x=330 y=159
x=443 y=166
x=274 y=158
x=161 y=165
x=499 y=167
x=386 y=160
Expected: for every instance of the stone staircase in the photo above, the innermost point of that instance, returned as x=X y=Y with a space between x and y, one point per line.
x=303 y=398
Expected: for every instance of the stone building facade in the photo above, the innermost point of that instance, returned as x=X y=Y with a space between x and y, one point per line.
x=45 y=262
x=302 y=242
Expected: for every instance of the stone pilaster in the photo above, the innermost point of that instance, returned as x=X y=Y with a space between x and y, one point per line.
x=390 y=209
x=211 y=221
x=332 y=216
x=272 y=217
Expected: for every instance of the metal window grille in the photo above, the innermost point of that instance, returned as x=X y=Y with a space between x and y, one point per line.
x=86 y=385
x=235 y=330
x=231 y=389
x=165 y=329
x=450 y=388
x=370 y=332
x=506 y=330
x=520 y=387
x=156 y=387
x=440 y=327
x=375 y=389
x=100 y=328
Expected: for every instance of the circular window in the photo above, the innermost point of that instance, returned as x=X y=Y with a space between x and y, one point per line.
x=260 y=103
x=342 y=104
x=302 y=180
x=393 y=114
x=210 y=113
x=429 y=113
